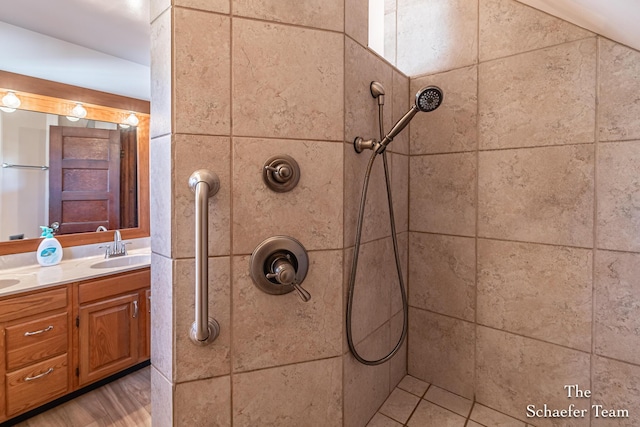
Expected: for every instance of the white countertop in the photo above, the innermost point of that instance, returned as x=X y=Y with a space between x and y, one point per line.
x=30 y=277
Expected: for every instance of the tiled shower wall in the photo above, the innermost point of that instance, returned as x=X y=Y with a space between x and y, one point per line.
x=234 y=83
x=524 y=212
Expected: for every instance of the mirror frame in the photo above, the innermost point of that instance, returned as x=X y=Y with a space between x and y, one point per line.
x=58 y=98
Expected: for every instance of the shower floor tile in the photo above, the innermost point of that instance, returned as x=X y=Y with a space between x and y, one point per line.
x=415 y=403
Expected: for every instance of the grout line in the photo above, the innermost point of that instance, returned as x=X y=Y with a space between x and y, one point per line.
x=232 y=314
x=477 y=217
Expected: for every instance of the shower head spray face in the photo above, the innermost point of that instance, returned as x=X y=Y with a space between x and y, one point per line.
x=429 y=98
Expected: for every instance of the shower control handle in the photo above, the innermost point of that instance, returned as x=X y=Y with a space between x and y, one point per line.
x=285 y=273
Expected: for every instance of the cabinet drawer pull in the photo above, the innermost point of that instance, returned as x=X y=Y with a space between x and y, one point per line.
x=41 y=331
x=39 y=375
x=135 y=309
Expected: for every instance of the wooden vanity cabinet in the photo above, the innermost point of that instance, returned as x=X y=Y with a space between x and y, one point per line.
x=57 y=340
x=111 y=322
x=36 y=338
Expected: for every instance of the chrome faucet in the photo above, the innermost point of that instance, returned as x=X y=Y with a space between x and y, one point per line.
x=119 y=247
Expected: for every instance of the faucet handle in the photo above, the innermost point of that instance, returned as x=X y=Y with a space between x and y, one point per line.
x=107 y=249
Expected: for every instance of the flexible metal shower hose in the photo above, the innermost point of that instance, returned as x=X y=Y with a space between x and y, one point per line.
x=356 y=250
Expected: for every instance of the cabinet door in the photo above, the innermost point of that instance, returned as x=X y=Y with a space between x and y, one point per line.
x=108 y=338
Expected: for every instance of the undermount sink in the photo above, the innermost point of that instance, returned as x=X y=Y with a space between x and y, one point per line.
x=124 y=261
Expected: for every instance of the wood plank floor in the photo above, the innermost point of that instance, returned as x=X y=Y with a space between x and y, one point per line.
x=125 y=402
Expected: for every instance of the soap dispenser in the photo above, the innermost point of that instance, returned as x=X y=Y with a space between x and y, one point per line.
x=49 y=251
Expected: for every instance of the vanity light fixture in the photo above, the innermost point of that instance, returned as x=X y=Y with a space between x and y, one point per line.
x=10 y=102
x=131 y=120
x=78 y=112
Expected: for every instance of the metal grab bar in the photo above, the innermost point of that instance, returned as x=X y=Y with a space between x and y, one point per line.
x=9 y=165
x=204 y=184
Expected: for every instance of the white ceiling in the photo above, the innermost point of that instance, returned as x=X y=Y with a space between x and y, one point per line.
x=104 y=44
x=618 y=20
x=97 y=44
x=118 y=28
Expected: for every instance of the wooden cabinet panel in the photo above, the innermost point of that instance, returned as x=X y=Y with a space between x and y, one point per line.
x=147 y=325
x=36 y=303
x=30 y=341
x=113 y=285
x=108 y=337
x=36 y=384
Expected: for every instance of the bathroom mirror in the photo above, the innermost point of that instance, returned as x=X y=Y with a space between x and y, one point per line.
x=80 y=174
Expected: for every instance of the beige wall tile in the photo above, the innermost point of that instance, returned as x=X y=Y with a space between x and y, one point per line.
x=272 y=330
x=290 y=396
x=619 y=83
x=441 y=351
x=545 y=97
x=375 y=280
x=540 y=195
x=191 y=153
x=618 y=192
x=221 y=6
x=204 y=402
x=442 y=274
x=161 y=399
x=508 y=27
x=362 y=66
x=160 y=195
x=403 y=248
x=376 y=212
x=162 y=318
x=615 y=385
x=401 y=102
x=287 y=81
x=443 y=193
x=398 y=364
x=428 y=414
x=453 y=126
x=317 y=13
x=356 y=20
x=161 y=77
x=193 y=361
x=617 y=332
x=399 y=164
x=513 y=372
x=436 y=35
x=365 y=387
x=538 y=291
x=311 y=212
x=202 y=85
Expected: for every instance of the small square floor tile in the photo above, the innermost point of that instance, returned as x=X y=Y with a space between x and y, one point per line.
x=429 y=415
x=448 y=400
x=399 y=405
x=380 y=420
x=489 y=417
x=413 y=385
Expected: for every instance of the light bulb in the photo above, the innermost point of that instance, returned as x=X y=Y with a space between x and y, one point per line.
x=79 y=111
x=10 y=102
x=132 y=119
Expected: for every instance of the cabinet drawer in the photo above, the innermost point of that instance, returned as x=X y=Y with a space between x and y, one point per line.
x=31 y=386
x=35 y=340
x=113 y=285
x=16 y=308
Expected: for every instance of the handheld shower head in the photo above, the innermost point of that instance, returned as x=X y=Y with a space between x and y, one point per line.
x=427 y=99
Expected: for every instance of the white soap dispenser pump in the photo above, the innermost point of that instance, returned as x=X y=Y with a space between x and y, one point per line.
x=49 y=251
